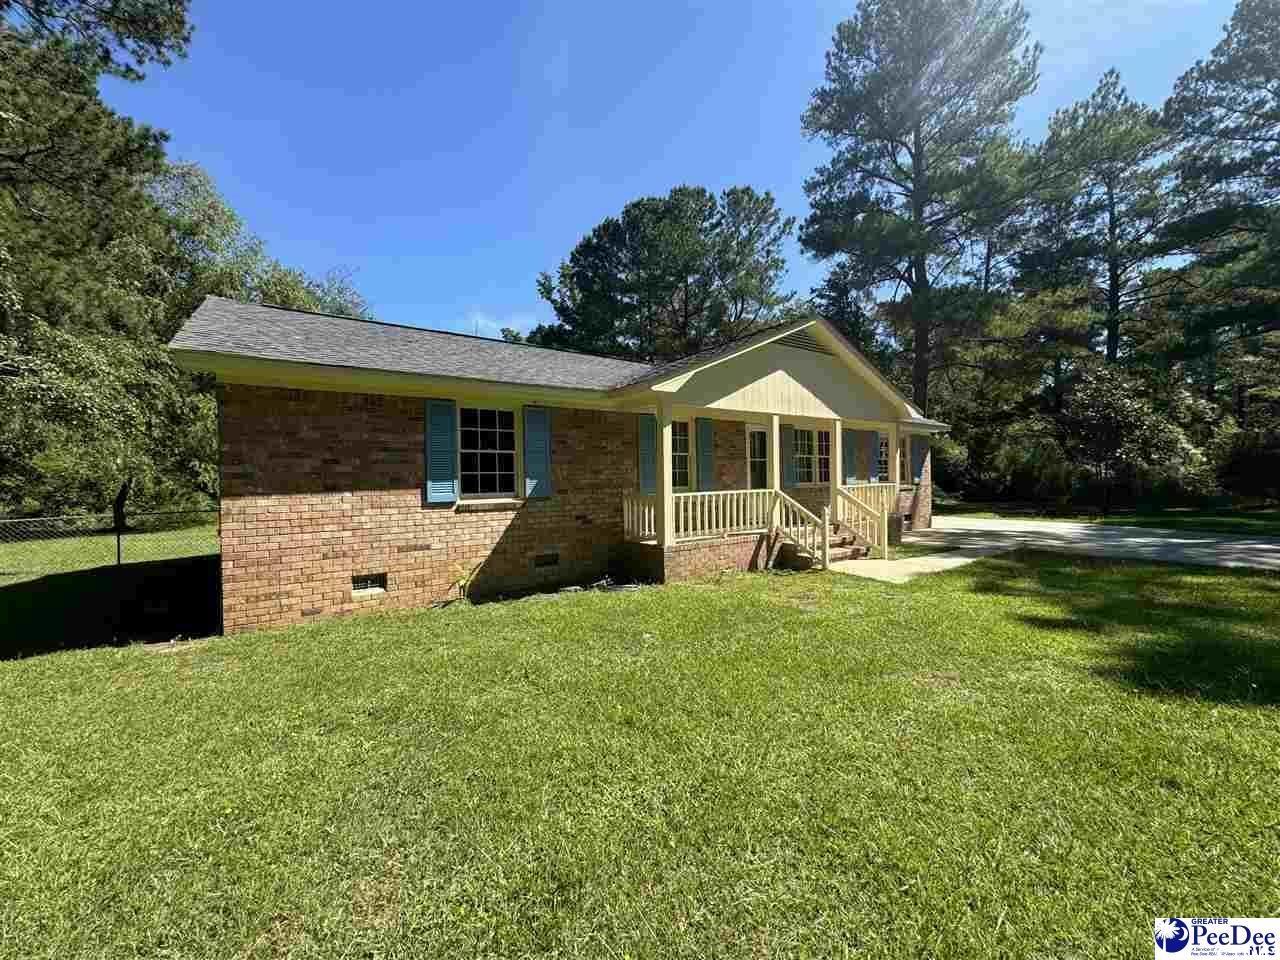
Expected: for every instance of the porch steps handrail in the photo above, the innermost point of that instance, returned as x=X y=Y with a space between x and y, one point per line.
x=881 y=497
x=721 y=513
x=867 y=523
x=804 y=528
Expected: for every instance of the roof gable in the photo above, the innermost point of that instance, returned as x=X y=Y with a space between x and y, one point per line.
x=797 y=380
x=811 y=334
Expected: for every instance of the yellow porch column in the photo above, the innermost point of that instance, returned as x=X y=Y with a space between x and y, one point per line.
x=775 y=465
x=837 y=464
x=665 y=520
x=895 y=455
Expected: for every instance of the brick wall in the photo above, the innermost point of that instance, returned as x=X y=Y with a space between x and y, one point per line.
x=729 y=443
x=700 y=558
x=813 y=498
x=922 y=505
x=320 y=486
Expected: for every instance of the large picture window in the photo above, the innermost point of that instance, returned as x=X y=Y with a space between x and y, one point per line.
x=811 y=454
x=680 y=454
x=487 y=452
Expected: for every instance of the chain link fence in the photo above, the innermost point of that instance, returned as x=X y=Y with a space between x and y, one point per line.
x=39 y=546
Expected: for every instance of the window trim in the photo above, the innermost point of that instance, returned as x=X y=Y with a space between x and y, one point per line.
x=816 y=457
x=761 y=429
x=691 y=454
x=517 y=431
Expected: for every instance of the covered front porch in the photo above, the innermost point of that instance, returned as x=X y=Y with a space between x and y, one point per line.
x=796 y=488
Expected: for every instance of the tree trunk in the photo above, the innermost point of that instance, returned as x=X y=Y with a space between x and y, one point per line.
x=1242 y=404
x=1113 y=279
x=921 y=327
x=920 y=332
x=117 y=508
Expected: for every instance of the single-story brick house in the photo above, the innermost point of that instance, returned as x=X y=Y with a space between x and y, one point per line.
x=368 y=465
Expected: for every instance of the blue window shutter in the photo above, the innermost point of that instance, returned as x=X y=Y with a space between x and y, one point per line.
x=919 y=448
x=873 y=444
x=706 y=454
x=442 y=456
x=787 y=440
x=537 y=452
x=648 y=453
x=848 y=456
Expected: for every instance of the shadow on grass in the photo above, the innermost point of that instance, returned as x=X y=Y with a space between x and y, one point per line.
x=1161 y=629
x=101 y=606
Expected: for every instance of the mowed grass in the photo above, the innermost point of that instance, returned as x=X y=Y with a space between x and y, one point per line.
x=1027 y=757
x=1243 y=522
x=22 y=560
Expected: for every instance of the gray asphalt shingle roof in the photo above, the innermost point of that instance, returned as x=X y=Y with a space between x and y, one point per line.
x=275 y=333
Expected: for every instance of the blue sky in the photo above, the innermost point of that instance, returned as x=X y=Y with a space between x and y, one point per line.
x=447 y=153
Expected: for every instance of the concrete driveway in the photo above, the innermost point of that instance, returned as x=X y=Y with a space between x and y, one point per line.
x=970 y=538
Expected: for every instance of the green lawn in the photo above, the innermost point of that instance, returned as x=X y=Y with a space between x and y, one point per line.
x=26 y=559
x=1027 y=757
x=1253 y=521
x=909 y=551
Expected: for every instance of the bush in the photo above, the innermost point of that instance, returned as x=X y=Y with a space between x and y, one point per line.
x=1250 y=466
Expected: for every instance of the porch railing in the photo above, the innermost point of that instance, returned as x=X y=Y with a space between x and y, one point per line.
x=881 y=497
x=869 y=522
x=719 y=513
x=639 y=516
x=804 y=528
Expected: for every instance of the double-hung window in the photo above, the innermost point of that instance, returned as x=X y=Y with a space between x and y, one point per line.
x=811 y=454
x=680 y=454
x=487 y=452
x=803 y=456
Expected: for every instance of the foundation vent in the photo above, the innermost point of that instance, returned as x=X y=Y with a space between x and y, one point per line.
x=369 y=583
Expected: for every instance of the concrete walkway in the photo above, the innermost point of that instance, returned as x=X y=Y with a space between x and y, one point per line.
x=969 y=539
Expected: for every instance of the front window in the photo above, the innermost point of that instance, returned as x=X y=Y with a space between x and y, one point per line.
x=812 y=455
x=804 y=456
x=882 y=466
x=680 y=455
x=487 y=451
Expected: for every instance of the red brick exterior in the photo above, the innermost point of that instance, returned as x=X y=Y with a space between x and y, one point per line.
x=699 y=558
x=922 y=503
x=318 y=487
x=811 y=497
x=729 y=443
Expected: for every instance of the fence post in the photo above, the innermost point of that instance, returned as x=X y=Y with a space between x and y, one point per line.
x=119 y=559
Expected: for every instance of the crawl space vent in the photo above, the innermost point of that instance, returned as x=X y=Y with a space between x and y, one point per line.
x=369 y=581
